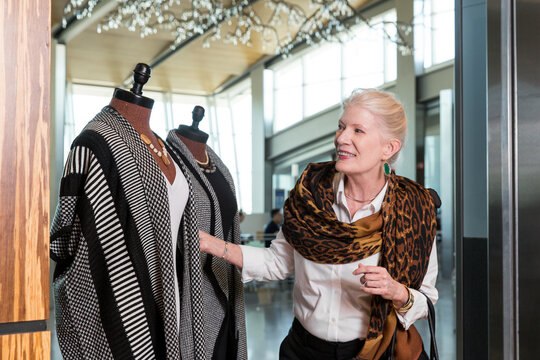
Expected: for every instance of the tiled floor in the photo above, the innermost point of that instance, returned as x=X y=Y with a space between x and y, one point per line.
x=269 y=316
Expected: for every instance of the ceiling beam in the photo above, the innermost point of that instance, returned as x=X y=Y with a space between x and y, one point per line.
x=74 y=27
x=172 y=49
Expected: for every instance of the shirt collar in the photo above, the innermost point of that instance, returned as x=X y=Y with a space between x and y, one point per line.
x=340 y=199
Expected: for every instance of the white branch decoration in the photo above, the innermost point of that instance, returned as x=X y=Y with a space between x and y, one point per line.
x=187 y=19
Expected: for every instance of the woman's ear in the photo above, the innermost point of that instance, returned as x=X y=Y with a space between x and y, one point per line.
x=391 y=148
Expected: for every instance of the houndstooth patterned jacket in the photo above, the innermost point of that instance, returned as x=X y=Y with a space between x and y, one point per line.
x=113 y=283
x=217 y=282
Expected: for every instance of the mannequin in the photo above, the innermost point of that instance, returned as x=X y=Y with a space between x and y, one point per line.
x=216 y=208
x=194 y=138
x=120 y=242
x=195 y=141
x=136 y=109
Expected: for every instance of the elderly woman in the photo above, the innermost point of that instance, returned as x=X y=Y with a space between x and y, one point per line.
x=359 y=239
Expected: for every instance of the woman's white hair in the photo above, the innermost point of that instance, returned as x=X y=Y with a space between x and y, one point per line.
x=386 y=108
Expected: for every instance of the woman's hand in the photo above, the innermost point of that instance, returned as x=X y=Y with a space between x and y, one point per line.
x=210 y=244
x=217 y=247
x=376 y=280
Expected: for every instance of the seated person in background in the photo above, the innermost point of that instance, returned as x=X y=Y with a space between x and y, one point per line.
x=241 y=216
x=272 y=228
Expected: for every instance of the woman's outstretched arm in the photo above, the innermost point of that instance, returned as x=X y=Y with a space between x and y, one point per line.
x=228 y=251
x=261 y=264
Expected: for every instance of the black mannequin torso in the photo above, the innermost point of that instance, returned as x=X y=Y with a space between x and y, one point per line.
x=195 y=141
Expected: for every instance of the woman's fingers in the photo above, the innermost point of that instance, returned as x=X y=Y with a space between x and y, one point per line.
x=378 y=288
x=375 y=291
x=375 y=283
x=205 y=241
x=376 y=280
x=202 y=241
x=373 y=276
x=366 y=269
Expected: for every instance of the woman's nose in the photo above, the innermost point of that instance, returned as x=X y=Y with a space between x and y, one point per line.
x=343 y=137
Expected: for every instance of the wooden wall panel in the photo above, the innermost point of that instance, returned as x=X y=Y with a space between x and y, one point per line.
x=29 y=346
x=24 y=159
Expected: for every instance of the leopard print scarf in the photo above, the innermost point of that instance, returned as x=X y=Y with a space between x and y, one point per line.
x=403 y=232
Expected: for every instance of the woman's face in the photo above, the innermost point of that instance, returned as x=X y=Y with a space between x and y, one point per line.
x=360 y=146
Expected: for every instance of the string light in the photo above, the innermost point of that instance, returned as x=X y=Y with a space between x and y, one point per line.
x=328 y=20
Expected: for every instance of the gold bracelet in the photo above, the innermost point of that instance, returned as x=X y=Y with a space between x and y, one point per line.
x=408 y=305
x=225 y=250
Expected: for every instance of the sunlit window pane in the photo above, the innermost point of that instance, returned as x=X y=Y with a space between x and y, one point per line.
x=86 y=102
x=241 y=109
x=321 y=96
x=320 y=76
x=158 y=117
x=434 y=31
x=390 y=47
x=443 y=31
x=322 y=69
x=233 y=132
x=369 y=56
x=363 y=54
x=224 y=132
x=364 y=81
x=288 y=109
x=288 y=95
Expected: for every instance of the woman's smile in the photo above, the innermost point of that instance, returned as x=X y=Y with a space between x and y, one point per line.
x=345 y=155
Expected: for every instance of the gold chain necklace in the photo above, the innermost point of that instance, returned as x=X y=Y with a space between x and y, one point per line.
x=360 y=201
x=162 y=154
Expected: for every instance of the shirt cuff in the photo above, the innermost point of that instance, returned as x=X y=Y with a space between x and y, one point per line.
x=419 y=310
x=252 y=258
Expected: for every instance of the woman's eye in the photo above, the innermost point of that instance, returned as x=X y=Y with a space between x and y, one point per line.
x=359 y=131
x=340 y=127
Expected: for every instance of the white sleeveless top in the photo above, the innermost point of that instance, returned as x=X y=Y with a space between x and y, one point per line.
x=178 y=196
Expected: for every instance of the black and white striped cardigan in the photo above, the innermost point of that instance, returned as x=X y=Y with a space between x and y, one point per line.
x=111 y=239
x=217 y=280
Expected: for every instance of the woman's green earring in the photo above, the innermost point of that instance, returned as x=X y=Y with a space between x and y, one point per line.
x=387 y=168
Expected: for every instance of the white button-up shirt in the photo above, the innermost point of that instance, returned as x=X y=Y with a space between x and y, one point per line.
x=328 y=298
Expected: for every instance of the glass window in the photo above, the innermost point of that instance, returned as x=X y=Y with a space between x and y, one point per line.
x=232 y=128
x=241 y=110
x=158 y=118
x=390 y=47
x=322 y=75
x=317 y=79
x=288 y=95
x=443 y=30
x=434 y=31
x=369 y=57
x=86 y=102
x=223 y=131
